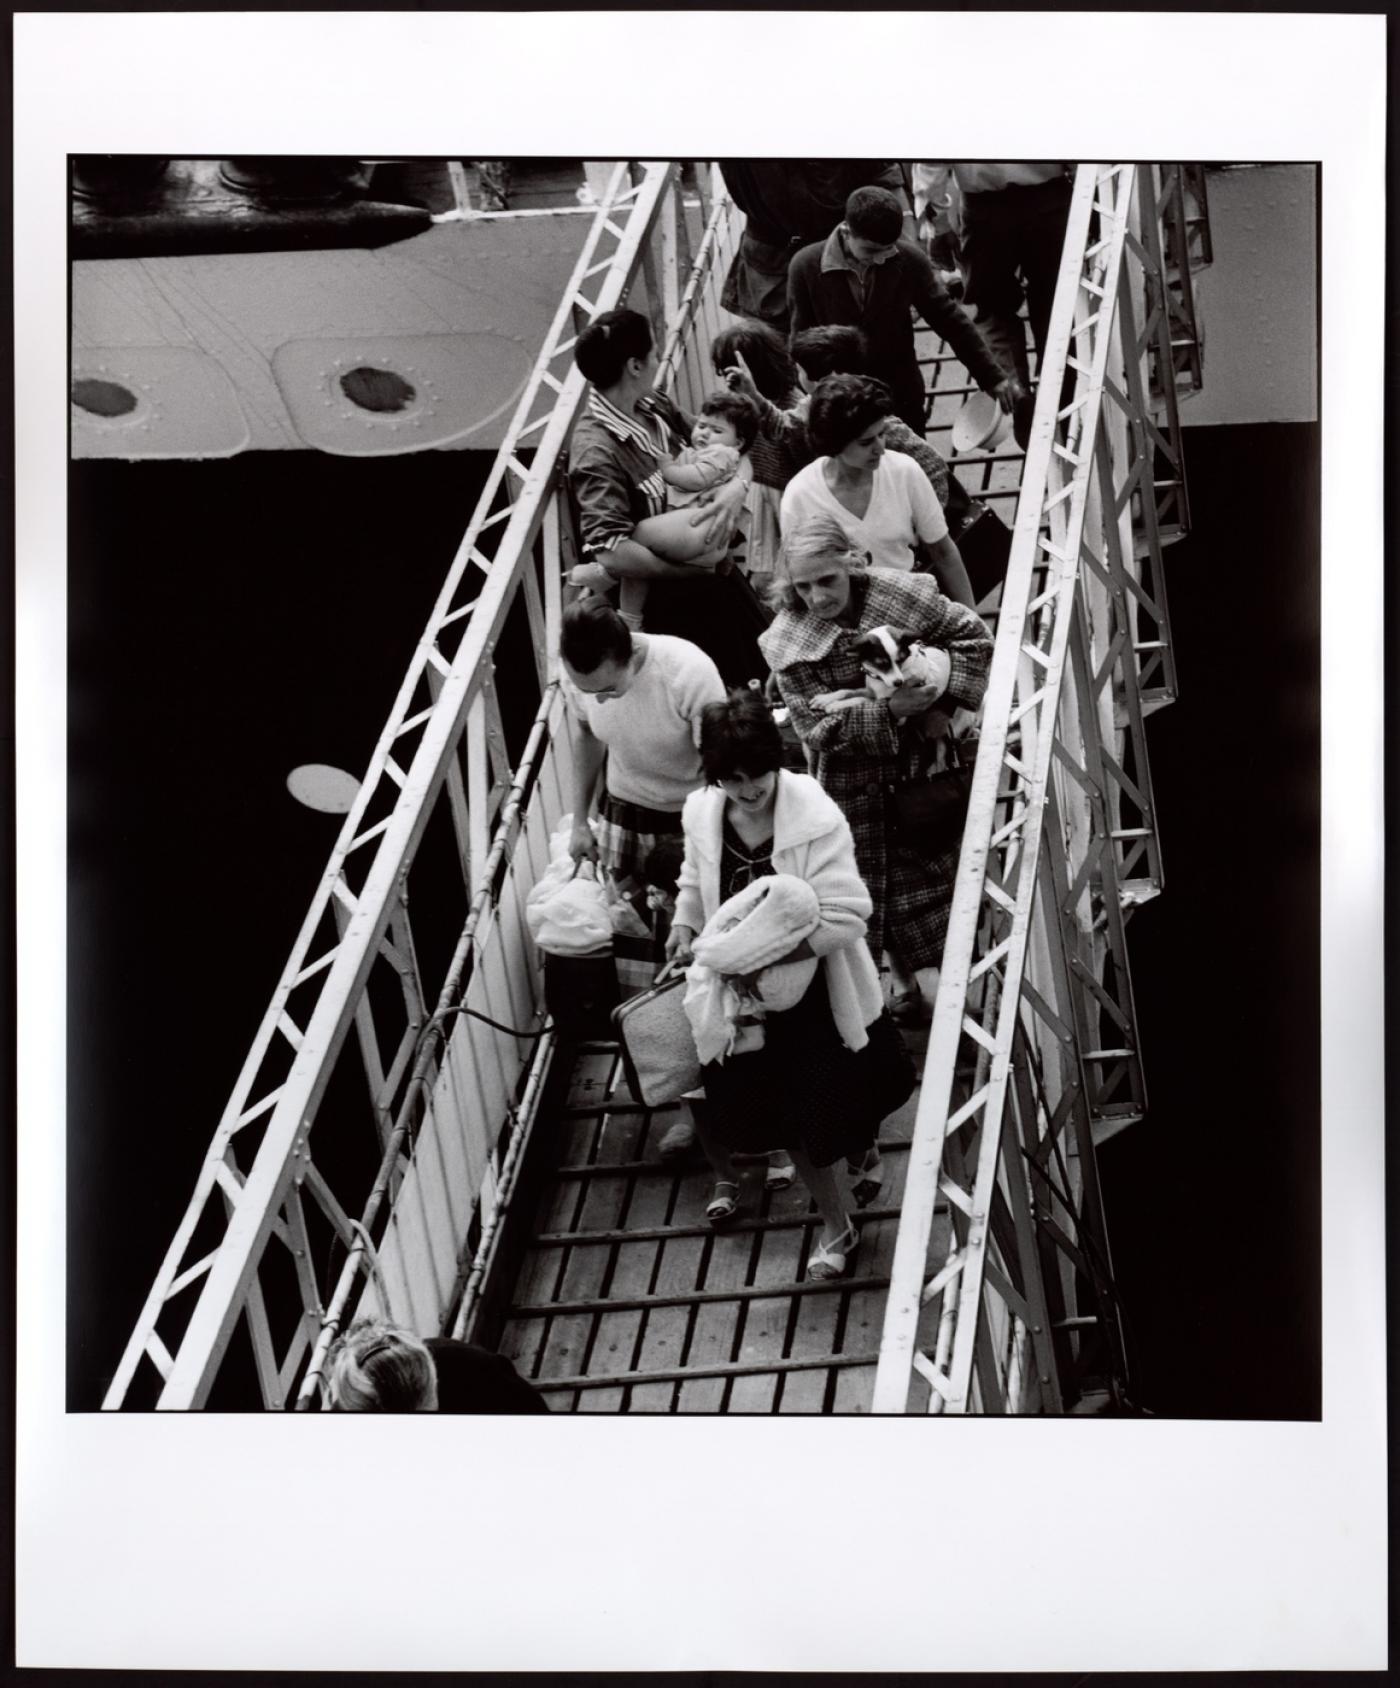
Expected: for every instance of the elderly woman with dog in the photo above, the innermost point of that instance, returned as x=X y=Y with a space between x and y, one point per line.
x=860 y=746
x=881 y=498
x=772 y=906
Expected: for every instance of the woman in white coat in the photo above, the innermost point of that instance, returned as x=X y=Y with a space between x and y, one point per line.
x=832 y=1066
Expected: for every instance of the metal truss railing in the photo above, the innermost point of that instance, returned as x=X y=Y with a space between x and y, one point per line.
x=1033 y=1054
x=417 y=1133
x=423 y=1113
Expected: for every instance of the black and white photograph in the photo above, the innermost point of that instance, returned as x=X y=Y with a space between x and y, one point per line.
x=702 y=792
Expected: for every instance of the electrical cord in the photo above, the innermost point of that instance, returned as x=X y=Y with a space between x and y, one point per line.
x=510 y=1031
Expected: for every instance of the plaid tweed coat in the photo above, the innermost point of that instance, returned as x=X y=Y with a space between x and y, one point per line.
x=860 y=751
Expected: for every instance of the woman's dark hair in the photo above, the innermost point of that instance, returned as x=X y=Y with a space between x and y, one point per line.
x=606 y=345
x=842 y=408
x=737 y=408
x=592 y=633
x=875 y=214
x=662 y=867
x=837 y=348
x=762 y=348
x=739 y=736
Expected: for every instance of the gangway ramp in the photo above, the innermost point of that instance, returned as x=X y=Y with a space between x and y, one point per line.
x=627 y=1301
x=1001 y=1295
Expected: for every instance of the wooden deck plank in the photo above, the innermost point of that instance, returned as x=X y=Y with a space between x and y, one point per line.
x=521 y=1342
x=814 y=1329
x=729 y=1260
x=753 y=1394
x=651 y=1199
x=803 y=1392
x=782 y=1259
x=593 y=1078
x=604 y=1203
x=575 y=1140
x=539 y=1275
x=621 y=1139
x=855 y=1389
x=663 y=1341
x=701 y=1395
x=712 y=1338
x=635 y=1264
x=584 y=1273
x=876 y=1256
x=652 y=1398
x=561 y=1400
x=599 y=1401
x=615 y=1343
x=667 y=1328
x=558 y=1209
x=895 y=1162
x=865 y=1318
x=566 y=1345
x=765 y=1329
x=681 y=1260
x=694 y=1187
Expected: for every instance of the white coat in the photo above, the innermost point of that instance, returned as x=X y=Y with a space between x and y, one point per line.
x=812 y=841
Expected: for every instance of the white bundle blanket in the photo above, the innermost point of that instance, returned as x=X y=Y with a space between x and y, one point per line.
x=747 y=934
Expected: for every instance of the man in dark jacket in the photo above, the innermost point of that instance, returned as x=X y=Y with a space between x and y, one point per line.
x=866 y=276
x=787 y=202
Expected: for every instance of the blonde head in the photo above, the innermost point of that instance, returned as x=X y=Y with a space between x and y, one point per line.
x=378 y=1367
x=820 y=536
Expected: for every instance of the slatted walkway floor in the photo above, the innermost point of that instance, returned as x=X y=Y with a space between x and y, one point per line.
x=627 y=1301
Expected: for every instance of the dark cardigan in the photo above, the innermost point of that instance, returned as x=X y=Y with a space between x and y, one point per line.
x=903 y=282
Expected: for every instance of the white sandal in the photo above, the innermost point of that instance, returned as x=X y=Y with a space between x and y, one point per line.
x=781 y=1175
x=723 y=1208
x=830 y=1260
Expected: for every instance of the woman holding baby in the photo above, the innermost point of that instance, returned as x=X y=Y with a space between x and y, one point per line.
x=771 y=919
x=829 y=596
x=632 y=454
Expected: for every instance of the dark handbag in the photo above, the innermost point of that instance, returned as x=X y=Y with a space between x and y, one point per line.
x=930 y=810
x=984 y=545
x=658 y=1047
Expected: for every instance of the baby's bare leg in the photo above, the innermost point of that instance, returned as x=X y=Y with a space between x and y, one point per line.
x=672 y=537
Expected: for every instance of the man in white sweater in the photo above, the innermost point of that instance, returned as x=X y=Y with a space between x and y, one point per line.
x=637 y=698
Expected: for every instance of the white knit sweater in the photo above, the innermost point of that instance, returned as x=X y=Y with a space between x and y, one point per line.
x=812 y=841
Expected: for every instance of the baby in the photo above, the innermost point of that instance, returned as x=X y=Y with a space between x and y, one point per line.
x=661 y=873
x=724 y=430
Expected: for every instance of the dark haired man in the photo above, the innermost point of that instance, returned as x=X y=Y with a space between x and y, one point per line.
x=866 y=275
x=786 y=202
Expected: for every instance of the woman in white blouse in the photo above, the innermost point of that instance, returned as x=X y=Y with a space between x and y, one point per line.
x=882 y=499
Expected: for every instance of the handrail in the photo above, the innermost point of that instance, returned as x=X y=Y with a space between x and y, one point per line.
x=1035 y=1002
x=444 y=735
x=1050 y=867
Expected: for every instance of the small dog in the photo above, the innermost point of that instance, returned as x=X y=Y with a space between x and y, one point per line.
x=892 y=657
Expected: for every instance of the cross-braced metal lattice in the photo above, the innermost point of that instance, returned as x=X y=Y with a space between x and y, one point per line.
x=443 y=764
x=1033 y=1053
x=1036 y=1011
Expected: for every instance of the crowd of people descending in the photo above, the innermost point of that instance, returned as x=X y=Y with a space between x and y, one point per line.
x=732 y=561
x=810 y=448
